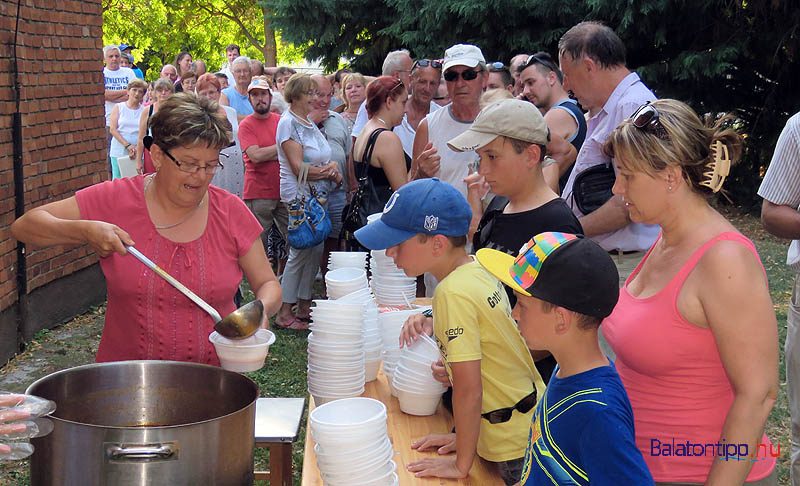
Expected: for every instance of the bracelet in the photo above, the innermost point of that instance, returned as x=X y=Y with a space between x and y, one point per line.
x=127 y=146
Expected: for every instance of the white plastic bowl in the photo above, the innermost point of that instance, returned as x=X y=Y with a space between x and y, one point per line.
x=371 y=370
x=357 y=413
x=243 y=355
x=345 y=275
x=419 y=404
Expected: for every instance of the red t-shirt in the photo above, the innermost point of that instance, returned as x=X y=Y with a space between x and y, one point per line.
x=147 y=318
x=261 y=180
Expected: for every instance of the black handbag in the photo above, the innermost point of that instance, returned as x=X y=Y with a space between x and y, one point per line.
x=592 y=187
x=367 y=200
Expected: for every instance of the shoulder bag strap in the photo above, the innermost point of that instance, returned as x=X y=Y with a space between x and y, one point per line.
x=366 y=157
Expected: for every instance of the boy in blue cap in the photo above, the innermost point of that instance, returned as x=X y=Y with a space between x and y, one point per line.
x=495 y=384
x=582 y=431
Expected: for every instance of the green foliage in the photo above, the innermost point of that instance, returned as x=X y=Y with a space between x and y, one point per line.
x=718 y=55
x=160 y=29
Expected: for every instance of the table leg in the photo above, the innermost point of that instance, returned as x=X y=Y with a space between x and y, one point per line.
x=280 y=464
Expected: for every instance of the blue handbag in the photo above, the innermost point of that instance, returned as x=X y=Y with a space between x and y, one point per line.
x=309 y=223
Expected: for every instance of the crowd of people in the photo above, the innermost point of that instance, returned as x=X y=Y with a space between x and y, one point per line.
x=596 y=315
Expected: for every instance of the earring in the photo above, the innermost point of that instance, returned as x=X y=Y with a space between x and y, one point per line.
x=669 y=188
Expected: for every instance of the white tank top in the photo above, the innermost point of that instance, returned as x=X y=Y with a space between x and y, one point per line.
x=454 y=166
x=128 y=127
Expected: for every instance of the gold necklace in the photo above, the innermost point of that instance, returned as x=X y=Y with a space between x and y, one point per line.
x=185 y=219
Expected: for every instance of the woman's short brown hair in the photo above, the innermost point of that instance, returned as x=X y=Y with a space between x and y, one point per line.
x=687 y=144
x=207 y=80
x=163 y=83
x=184 y=119
x=138 y=83
x=297 y=86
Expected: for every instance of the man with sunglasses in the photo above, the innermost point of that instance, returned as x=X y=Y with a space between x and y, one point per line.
x=541 y=82
x=425 y=76
x=500 y=77
x=582 y=430
x=465 y=73
x=592 y=60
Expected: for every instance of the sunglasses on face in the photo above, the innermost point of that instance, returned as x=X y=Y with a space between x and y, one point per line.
x=647 y=118
x=434 y=63
x=502 y=415
x=467 y=75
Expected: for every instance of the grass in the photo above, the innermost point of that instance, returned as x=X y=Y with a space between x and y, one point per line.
x=285 y=372
x=773 y=255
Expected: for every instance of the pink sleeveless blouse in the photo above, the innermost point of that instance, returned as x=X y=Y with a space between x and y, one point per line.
x=675 y=380
x=146 y=318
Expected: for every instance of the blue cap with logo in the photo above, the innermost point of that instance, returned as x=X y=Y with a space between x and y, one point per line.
x=425 y=206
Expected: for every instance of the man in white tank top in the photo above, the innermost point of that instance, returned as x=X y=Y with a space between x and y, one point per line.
x=465 y=74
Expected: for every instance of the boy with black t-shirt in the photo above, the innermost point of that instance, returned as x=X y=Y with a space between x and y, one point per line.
x=510 y=137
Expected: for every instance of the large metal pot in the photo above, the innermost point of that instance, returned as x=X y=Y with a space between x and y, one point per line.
x=146 y=422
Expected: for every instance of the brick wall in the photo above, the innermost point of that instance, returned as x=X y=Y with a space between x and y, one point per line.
x=59 y=57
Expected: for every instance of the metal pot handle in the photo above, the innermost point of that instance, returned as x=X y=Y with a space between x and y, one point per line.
x=142 y=452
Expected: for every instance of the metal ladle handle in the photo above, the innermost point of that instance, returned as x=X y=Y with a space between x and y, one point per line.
x=172 y=281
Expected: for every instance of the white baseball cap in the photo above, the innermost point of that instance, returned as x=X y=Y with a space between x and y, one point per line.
x=462 y=55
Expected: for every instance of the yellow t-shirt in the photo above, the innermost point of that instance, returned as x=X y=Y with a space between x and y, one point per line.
x=472 y=321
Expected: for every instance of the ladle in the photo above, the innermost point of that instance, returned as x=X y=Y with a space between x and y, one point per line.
x=239 y=324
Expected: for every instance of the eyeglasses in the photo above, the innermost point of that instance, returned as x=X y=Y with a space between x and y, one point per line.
x=467 y=75
x=313 y=93
x=434 y=63
x=539 y=59
x=647 y=118
x=209 y=169
x=502 y=415
x=497 y=66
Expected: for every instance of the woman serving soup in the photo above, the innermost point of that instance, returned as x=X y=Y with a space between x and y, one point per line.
x=203 y=236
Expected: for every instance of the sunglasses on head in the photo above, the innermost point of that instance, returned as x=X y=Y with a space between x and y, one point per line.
x=539 y=59
x=496 y=66
x=502 y=415
x=467 y=75
x=646 y=118
x=423 y=63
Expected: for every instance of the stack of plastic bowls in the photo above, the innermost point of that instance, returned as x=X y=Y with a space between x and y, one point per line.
x=390 y=324
x=373 y=344
x=418 y=392
x=336 y=351
x=390 y=284
x=347 y=259
x=343 y=281
x=353 y=447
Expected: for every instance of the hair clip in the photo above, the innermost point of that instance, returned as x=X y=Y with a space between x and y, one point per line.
x=719 y=168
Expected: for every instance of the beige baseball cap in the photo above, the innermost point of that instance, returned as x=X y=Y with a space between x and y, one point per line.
x=462 y=55
x=516 y=119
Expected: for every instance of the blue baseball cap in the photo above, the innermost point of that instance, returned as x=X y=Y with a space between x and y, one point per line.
x=425 y=206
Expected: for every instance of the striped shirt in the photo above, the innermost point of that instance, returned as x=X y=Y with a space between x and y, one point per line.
x=781 y=184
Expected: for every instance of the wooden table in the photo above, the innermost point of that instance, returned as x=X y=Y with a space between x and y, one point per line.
x=403 y=429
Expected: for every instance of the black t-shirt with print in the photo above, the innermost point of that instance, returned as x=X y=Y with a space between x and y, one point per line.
x=508 y=232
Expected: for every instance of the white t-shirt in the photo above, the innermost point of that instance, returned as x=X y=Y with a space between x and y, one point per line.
x=361 y=119
x=116 y=81
x=453 y=166
x=316 y=152
x=406 y=133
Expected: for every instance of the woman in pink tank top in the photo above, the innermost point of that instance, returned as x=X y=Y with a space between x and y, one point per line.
x=694 y=330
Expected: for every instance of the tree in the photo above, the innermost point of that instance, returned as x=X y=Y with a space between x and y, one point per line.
x=734 y=56
x=160 y=29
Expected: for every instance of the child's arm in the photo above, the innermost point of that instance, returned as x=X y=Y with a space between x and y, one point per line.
x=467 y=398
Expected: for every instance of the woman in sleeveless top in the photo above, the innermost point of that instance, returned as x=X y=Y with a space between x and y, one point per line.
x=378 y=152
x=694 y=329
x=162 y=89
x=124 y=126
